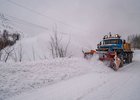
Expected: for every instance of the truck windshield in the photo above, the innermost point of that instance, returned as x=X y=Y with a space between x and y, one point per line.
x=113 y=41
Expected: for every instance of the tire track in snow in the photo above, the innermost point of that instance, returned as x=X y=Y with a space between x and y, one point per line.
x=131 y=68
x=91 y=90
x=126 y=68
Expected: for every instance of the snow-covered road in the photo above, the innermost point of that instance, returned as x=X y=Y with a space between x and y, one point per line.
x=121 y=85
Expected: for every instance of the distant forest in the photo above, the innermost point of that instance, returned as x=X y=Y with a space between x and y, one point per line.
x=134 y=40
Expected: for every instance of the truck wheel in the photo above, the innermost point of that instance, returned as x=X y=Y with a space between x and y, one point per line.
x=121 y=63
x=130 y=57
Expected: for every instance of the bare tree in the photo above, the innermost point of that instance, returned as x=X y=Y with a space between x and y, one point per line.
x=7 y=39
x=134 y=40
x=0 y=55
x=8 y=52
x=14 y=56
x=18 y=53
x=56 y=47
x=33 y=52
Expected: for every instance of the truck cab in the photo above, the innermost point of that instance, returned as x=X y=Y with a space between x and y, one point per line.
x=110 y=44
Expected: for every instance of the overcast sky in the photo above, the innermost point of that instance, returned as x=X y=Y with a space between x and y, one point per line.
x=95 y=16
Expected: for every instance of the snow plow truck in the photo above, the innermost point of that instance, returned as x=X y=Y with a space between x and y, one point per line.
x=113 y=50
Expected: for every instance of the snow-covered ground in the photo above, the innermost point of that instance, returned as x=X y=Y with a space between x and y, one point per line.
x=69 y=79
x=16 y=78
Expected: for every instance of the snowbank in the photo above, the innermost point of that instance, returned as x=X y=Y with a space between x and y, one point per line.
x=99 y=82
x=20 y=77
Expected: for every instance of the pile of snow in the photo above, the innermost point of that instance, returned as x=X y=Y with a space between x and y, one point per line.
x=20 y=77
x=97 y=83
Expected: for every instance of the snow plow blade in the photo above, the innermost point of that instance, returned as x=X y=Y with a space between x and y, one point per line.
x=88 y=55
x=111 y=58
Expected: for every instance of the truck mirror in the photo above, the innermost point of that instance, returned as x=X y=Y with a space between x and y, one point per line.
x=124 y=41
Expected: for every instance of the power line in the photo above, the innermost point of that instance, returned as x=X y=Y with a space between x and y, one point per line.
x=29 y=23
x=38 y=13
x=17 y=20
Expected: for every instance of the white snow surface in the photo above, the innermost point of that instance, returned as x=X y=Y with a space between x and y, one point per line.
x=69 y=79
x=20 y=77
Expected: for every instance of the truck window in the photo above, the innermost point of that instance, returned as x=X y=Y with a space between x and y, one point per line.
x=113 y=41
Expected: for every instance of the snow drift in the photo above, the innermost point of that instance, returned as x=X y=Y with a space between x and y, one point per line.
x=19 y=77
